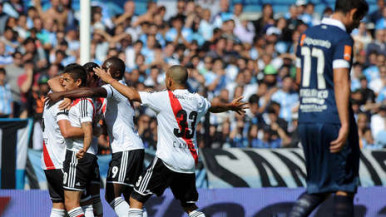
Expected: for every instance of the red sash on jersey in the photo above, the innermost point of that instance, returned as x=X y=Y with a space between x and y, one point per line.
x=47 y=158
x=176 y=106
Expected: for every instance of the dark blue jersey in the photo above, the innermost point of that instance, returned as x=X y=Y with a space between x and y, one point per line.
x=321 y=49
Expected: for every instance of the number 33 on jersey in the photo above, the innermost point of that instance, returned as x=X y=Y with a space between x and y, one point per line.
x=177 y=112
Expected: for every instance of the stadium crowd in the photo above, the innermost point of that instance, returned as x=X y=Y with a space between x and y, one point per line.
x=227 y=53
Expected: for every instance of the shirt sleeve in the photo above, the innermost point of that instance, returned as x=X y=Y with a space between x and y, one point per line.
x=203 y=106
x=155 y=101
x=343 y=52
x=86 y=109
x=109 y=89
x=61 y=114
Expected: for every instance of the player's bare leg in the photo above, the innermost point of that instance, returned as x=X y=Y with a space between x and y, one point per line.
x=192 y=210
x=343 y=204
x=58 y=210
x=94 y=190
x=136 y=208
x=72 y=203
x=306 y=204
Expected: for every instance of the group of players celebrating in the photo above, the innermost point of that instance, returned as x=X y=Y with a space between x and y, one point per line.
x=76 y=105
x=71 y=117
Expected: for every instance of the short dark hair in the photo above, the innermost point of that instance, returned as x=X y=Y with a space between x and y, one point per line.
x=346 y=6
x=90 y=66
x=76 y=72
x=118 y=65
x=2 y=71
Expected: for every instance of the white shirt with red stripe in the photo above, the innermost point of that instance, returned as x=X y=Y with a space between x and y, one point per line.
x=119 y=116
x=54 y=145
x=178 y=113
x=82 y=111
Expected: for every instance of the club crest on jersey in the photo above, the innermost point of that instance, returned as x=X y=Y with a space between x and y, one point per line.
x=347 y=52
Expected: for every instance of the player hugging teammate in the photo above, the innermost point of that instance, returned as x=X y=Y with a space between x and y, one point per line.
x=174 y=164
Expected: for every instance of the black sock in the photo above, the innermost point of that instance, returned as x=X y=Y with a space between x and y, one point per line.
x=343 y=206
x=306 y=204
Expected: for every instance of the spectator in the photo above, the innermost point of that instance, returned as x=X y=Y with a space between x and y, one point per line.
x=5 y=58
x=3 y=18
x=377 y=14
x=12 y=79
x=287 y=98
x=6 y=105
x=365 y=138
x=378 y=129
x=265 y=19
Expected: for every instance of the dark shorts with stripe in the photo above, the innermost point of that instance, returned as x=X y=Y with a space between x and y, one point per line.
x=326 y=171
x=125 y=167
x=78 y=173
x=55 y=185
x=95 y=176
x=158 y=177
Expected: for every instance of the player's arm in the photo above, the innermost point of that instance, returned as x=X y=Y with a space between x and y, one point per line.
x=129 y=92
x=86 y=112
x=69 y=131
x=342 y=95
x=55 y=84
x=83 y=92
x=236 y=105
x=341 y=65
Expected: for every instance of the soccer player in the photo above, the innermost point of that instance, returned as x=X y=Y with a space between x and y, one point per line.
x=327 y=127
x=127 y=147
x=178 y=112
x=54 y=149
x=94 y=187
x=80 y=159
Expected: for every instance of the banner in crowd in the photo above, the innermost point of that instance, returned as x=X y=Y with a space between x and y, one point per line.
x=14 y=138
x=236 y=202
x=256 y=168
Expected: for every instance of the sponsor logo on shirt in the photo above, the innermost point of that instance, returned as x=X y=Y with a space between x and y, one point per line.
x=347 y=52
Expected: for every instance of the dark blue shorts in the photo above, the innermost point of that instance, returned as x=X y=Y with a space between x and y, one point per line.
x=327 y=172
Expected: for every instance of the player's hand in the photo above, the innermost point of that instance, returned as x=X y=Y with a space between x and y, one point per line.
x=337 y=145
x=238 y=106
x=66 y=104
x=80 y=154
x=103 y=75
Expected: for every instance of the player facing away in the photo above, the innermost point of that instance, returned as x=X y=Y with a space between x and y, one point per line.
x=80 y=160
x=93 y=188
x=128 y=151
x=327 y=127
x=178 y=112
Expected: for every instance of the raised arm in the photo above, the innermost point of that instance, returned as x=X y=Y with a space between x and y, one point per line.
x=236 y=105
x=55 y=84
x=129 y=92
x=342 y=95
x=78 y=93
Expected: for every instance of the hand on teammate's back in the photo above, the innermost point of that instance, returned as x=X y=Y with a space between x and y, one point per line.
x=338 y=143
x=238 y=106
x=66 y=104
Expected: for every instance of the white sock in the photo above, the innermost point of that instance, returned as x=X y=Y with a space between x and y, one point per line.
x=57 y=212
x=76 y=212
x=133 y=212
x=88 y=210
x=144 y=214
x=196 y=213
x=120 y=206
x=97 y=205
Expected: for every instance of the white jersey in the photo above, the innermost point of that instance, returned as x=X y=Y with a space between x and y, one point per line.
x=119 y=116
x=82 y=111
x=54 y=145
x=177 y=115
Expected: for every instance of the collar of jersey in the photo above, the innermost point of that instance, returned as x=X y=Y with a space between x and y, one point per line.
x=333 y=22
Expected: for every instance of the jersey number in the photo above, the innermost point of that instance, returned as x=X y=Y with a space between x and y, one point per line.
x=182 y=122
x=307 y=54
